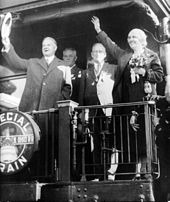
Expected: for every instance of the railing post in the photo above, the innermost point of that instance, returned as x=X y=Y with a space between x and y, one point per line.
x=149 y=136
x=65 y=109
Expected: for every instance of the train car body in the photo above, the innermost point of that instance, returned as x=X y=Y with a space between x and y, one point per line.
x=47 y=155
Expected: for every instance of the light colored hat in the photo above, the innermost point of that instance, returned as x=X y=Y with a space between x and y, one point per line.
x=6 y=25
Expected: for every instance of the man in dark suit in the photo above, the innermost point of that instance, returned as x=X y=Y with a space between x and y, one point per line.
x=48 y=79
x=70 y=58
x=96 y=89
x=98 y=79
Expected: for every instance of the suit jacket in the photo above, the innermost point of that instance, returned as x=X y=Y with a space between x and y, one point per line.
x=76 y=74
x=97 y=91
x=154 y=70
x=44 y=85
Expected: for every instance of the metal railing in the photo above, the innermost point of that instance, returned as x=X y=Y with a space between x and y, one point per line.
x=44 y=163
x=110 y=149
x=85 y=143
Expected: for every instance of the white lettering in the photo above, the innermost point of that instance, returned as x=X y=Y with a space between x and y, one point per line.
x=15 y=117
x=21 y=121
x=30 y=139
x=22 y=160
x=2 y=118
x=2 y=167
x=16 y=165
x=24 y=127
x=22 y=139
x=8 y=116
x=10 y=168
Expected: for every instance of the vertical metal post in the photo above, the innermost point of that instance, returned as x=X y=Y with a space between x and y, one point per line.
x=148 y=134
x=86 y=122
x=167 y=57
x=74 y=138
x=64 y=141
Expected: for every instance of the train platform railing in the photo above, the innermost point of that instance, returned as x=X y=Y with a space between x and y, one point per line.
x=115 y=142
x=51 y=163
x=87 y=143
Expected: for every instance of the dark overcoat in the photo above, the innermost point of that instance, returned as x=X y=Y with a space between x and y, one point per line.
x=76 y=74
x=44 y=85
x=97 y=91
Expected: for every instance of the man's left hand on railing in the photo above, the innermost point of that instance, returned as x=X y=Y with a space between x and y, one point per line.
x=167 y=88
x=133 y=121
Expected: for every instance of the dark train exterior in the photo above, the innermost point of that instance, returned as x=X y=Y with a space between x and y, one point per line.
x=47 y=155
x=55 y=171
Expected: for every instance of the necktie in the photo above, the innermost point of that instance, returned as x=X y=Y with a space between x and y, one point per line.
x=97 y=71
x=47 y=61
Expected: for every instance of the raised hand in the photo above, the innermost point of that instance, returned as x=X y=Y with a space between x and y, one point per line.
x=152 y=15
x=6 y=43
x=96 y=22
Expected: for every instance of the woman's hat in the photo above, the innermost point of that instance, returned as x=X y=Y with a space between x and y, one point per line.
x=6 y=25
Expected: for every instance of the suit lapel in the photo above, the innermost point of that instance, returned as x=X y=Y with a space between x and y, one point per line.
x=43 y=63
x=124 y=61
x=104 y=67
x=91 y=71
x=54 y=64
x=94 y=75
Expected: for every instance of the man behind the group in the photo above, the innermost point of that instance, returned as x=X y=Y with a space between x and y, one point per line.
x=70 y=58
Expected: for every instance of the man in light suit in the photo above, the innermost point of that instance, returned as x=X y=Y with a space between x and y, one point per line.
x=98 y=79
x=96 y=89
x=48 y=79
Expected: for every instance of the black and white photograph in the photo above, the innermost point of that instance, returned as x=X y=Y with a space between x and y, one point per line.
x=84 y=100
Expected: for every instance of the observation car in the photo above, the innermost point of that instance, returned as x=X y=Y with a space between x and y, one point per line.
x=47 y=155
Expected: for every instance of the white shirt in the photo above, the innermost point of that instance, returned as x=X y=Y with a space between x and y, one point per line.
x=97 y=68
x=105 y=86
x=49 y=59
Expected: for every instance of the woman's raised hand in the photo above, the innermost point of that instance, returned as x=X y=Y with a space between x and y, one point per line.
x=96 y=22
